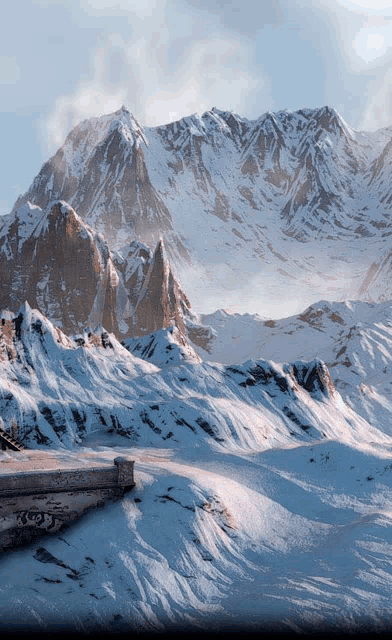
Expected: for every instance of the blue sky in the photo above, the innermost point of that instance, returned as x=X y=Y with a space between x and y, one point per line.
x=164 y=59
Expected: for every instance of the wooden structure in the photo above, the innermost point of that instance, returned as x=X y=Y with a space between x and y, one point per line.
x=9 y=442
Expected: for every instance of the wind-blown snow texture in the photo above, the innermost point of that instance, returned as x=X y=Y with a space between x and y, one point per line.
x=353 y=338
x=60 y=390
x=262 y=500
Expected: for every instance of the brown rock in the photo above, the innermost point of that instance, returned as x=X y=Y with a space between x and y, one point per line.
x=61 y=267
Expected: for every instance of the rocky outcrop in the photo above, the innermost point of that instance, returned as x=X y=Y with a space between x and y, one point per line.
x=163 y=347
x=101 y=171
x=161 y=302
x=127 y=181
x=314 y=377
x=59 y=265
x=63 y=268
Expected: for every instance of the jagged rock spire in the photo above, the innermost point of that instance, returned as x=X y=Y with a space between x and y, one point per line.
x=57 y=264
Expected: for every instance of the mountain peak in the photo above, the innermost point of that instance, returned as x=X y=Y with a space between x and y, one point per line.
x=124 y=122
x=160 y=248
x=25 y=309
x=331 y=120
x=62 y=209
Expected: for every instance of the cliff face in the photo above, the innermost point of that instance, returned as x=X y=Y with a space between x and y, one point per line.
x=62 y=267
x=59 y=265
x=101 y=171
x=161 y=302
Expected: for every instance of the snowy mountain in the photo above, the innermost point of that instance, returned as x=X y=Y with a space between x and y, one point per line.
x=295 y=201
x=354 y=339
x=163 y=347
x=262 y=500
x=61 y=390
x=56 y=262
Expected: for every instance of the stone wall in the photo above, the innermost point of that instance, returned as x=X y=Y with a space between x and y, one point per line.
x=37 y=503
x=80 y=479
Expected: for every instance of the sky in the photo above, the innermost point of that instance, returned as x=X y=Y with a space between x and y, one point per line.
x=164 y=59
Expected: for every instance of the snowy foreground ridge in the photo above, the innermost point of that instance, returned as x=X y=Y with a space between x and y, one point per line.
x=262 y=499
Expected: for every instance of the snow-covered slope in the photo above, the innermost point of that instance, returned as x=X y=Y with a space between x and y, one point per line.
x=290 y=207
x=61 y=390
x=163 y=347
x=353 y=338
x=263 y=446
x=262 y=500
x=294 y=539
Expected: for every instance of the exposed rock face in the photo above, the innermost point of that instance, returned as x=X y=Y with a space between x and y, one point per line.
x=59 y=265
x=161 y=301
x=148 y=296
x=129 y=182
x=62 y=267
x=63 y=391
x=314 y=377
x=101 y=171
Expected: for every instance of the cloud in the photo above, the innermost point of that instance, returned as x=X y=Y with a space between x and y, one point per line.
x=141 y=8
x=163 y=66
x=214 y=73
x=378 y=111
x=89 y=100
x=369 y=6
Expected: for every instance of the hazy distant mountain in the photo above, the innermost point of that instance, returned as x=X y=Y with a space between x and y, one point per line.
x=377 y=283
x=295 y=201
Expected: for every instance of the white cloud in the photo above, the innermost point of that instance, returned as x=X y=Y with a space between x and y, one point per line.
x=375 y=41
x=215 y=73
x=142 y=8
x=378 y=112
x=369 y=6
x=89 y=100
x=155 y=82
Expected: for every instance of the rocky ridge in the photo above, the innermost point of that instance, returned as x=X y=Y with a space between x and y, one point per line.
x=353 y=338
x=56 y=262
x=62 y=390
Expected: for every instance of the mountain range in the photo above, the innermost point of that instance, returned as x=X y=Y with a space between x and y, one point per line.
x=262 y=442
x=262 y=215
